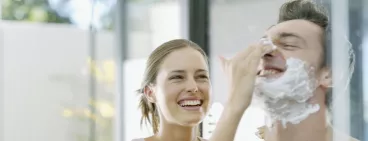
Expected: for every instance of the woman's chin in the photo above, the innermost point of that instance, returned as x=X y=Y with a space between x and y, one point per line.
x=191 y=121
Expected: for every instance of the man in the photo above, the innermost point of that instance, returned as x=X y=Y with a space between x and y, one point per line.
x=302 y=33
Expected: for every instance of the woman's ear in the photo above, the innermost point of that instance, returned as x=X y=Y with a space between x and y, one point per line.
x=150 y=93
x=325 y=79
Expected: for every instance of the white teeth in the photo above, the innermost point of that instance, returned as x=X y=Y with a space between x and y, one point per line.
x=190 y=102
x=268 y=72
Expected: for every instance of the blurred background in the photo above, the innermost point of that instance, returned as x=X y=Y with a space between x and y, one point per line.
x=70 y=68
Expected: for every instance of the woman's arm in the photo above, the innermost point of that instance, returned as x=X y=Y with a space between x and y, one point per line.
x=227 y=125
x=242 y=71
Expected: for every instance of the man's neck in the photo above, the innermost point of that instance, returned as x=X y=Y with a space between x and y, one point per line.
x=311 y=129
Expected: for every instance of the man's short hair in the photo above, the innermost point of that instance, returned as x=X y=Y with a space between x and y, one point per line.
x=317 y=14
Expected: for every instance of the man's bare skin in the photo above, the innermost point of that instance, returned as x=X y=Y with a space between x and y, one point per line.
x=301 y=32
x=262 y=133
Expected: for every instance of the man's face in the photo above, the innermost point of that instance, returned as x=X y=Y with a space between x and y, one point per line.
x=296 y=64
x=298 y=39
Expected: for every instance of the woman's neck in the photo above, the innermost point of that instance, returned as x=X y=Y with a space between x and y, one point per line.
x=174 y=132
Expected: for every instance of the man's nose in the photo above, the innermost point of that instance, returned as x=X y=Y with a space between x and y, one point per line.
x=274 y=54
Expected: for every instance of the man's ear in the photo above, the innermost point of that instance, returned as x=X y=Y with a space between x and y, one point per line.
x=325 y=79
x=149 y=92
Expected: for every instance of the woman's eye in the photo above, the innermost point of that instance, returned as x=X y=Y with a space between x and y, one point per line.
x=203 y=77
x=176 y=77
x=290 y=46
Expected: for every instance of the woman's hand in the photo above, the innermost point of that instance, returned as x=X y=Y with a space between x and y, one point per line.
x=261 y=132
x=241 y=70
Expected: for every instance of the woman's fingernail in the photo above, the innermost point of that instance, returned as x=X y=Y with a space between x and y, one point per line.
x=259 y=135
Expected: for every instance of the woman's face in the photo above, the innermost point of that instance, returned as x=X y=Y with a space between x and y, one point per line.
x=182 y=89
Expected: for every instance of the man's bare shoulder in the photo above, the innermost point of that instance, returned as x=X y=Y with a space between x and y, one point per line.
x=340 y=135
x=346 y=138
x=261 y=133
x=353 y=139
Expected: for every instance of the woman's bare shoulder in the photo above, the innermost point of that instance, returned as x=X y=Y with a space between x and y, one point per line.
x=150 y=138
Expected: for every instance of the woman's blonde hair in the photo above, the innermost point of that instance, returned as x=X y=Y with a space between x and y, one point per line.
x=148 y=109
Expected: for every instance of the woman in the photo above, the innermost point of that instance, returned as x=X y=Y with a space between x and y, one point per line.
x=176 y=91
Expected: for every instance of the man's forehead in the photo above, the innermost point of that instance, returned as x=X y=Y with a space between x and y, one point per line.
x=301 y=28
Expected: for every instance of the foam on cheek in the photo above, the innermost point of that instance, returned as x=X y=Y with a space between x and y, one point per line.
x=286 y=98
x=297 y=81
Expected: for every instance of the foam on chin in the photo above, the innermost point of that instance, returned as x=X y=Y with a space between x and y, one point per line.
x=286 y=98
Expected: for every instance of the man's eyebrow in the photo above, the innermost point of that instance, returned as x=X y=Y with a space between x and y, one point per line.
x=288 y=34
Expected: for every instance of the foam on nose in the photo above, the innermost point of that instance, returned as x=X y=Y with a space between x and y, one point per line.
x=268 y=41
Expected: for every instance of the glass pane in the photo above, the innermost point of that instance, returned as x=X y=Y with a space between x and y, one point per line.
x=365 y=66
x=150 y=23
x=102 y=99
x=234 y=26
x=232 y=31
x=49 y=96
x=365 y=74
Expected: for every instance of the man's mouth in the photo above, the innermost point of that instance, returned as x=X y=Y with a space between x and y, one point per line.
x=191 y=105
x=270 y=72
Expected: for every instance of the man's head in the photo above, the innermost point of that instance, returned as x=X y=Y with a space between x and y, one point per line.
x=316 y=17
x=302 y=33
x=300 y=64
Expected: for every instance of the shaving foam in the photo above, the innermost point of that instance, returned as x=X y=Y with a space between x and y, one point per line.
x=268 y=41
x=286 y=98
